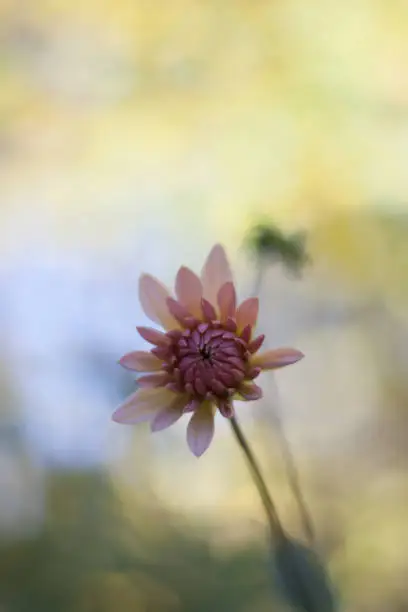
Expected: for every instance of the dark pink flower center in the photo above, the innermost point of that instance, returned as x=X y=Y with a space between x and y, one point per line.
x=208 y=361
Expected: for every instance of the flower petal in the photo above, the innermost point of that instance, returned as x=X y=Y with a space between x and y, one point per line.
x=208 y=311
x=153 y=295
x=226 y=299
x=277 y=358
x=170 y=414
x=177 y=310
x=140 y=361
x=216 y=272
x=192 y=405
x=153 y=380
x=142 y=405
x=247 y=313
x=163 y=353
x=227 y=409
x=200 y=430
x=246 y=333
x=250 y=391
x=189 y=290
x=256 y=344
x=153 y=336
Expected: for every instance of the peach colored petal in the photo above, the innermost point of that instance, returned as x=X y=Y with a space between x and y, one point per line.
x=226 y=299
x=276 y=358
x=200 y=430
x=154 y=336
x=169 y=415
x=247 y=313
x=189 y=290
x=215 y=273
x=246 y=333
x=177 y=310
x=153 y=380
x=256 y=344
x=142 y=405
x=140 y=361
x=192 y=405
x=153 y=295
x=250 y=391
x=227 y=409
x=253 y=372
x=208 y=311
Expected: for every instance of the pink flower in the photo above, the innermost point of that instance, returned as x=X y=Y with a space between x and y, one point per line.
x=206 y=357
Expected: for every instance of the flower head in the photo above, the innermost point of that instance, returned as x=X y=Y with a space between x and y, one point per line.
x=206 y=357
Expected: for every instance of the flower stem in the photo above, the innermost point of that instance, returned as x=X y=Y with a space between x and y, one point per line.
x=275 y=525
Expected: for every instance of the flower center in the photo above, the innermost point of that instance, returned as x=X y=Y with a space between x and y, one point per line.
x=205 y=353
x=209 y=361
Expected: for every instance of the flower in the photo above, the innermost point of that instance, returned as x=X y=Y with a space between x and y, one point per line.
x=206 y=357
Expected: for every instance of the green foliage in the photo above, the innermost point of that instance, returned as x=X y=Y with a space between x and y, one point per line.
x=301 y=578
x=269 y=243
x=90 y=558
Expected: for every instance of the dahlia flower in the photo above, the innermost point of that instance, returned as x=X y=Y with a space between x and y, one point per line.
x=206 y=357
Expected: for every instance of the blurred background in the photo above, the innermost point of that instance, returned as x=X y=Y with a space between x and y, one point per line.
x=133 y=136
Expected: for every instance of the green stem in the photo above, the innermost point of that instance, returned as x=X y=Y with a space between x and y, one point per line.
x=275 y=525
